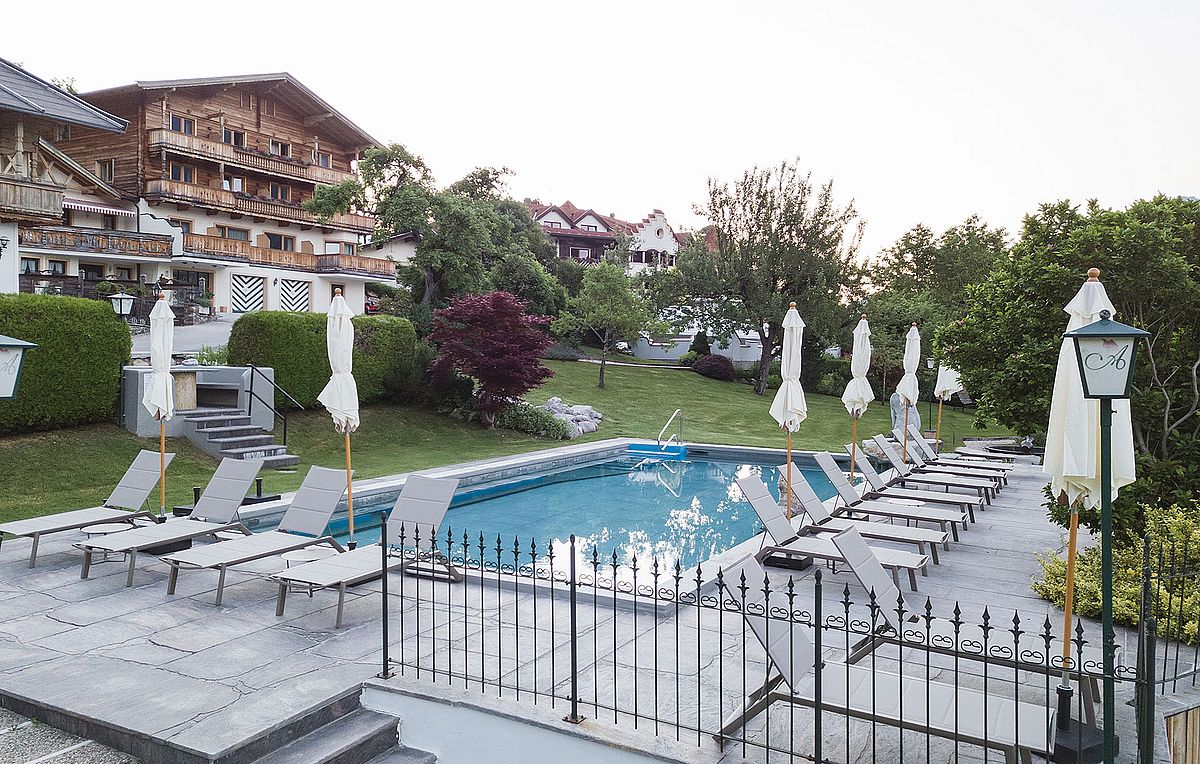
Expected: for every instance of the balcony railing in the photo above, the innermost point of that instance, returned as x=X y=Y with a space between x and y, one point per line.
x=244 y=250
x=97 y=241
x=28 y=200
x=217 y=198
x=216 y=151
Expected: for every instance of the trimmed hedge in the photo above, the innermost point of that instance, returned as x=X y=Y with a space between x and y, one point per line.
x=73 y=376
x=533 y=420
x=293 y=344
x=715 y=367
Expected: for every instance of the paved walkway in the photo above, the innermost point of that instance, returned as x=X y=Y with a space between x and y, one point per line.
x=189 y=339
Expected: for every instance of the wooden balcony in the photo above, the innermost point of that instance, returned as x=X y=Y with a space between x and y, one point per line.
x=219 y=199
x=234 y=249
x=203 y=148
x=28 y=201
x=97 y=241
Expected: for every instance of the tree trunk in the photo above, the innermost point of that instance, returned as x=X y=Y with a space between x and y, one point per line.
x=603 y=358
x=764 y=362
x=430 y=292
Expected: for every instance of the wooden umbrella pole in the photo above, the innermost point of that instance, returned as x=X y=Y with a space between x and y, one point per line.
x=853 y=444
x=788 y=483
x=349 y=490
x=1068 y=604
x=904 y=445
x=937 y=438
x=162 y=467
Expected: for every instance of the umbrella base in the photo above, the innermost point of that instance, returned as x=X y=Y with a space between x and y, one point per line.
x=790 y=562
x=1079 y=743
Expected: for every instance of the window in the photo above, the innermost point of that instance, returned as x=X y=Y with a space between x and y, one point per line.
x=581 y=253
x=280 y=242
x=184 y=173
x=108 y=222
x=235 y=138
x=589 y=227
x=237 y=234
x=57 y=267
x=638 y=257
x=281 y=192
x=233 y=183
x=106 y=169
x=91 y=271
x=185 y=125
x=281 y=149
x=64 y=132
x=339 y=248
x=322 y=158
x=30 y=265
x=552 y=224
x=245 y=100
x=333 y=290
x=183 y=225
x=123 y=273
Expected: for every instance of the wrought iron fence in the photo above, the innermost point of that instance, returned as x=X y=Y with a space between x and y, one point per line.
x=786 y=666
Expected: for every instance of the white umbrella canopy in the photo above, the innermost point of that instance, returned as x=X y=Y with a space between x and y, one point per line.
x=340 y=396
x=948 y=383
x=789 y=407
x=159 y=398
x=858 y=394
x=909 y=389
x=1072 y=458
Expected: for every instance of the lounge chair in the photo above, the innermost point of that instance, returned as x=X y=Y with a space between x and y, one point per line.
x=950 y=510
x=964 y=639
x=933 y=457
x=215 y=511
x=417 y=514
x=302 y=526
x=905 y=474
x=910 y=702
x=920 y=467
x=788 y=543
x=926 y=540
x=878 y=488
x=124 y=504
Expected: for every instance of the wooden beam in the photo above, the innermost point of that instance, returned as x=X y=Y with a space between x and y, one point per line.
x=317 y=118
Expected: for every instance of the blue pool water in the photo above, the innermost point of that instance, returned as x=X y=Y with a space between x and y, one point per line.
x=673 y=511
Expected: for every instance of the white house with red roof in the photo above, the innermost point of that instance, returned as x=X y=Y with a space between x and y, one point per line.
x=583 y=234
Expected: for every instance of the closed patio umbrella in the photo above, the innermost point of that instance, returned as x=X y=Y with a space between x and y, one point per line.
x=789 y=407
x=909 y=389
x=159 y=398
x=947 y=384
x=340 y=396
x=858 y=392
x=1072 y=458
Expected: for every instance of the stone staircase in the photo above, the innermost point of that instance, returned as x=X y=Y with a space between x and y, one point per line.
x=227 y=431
x=360 y=737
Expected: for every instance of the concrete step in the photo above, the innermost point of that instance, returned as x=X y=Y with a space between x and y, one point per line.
x=280 y=462
x=237 y=441
x=231 y=431
x=404 y=755
x=254 y=452
x=203 y=421
x=356 y=738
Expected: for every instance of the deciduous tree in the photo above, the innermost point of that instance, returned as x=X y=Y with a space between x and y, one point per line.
x=608 y=307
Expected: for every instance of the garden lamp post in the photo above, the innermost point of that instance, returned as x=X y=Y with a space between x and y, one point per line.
x=12 y=359
x=1106 y=351
x=122 y=304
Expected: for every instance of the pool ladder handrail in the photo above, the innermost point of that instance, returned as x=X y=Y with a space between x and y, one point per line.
x=663 y=446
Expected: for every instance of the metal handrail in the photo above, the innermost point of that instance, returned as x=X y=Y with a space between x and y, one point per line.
x=282 y=416
x=663 y=446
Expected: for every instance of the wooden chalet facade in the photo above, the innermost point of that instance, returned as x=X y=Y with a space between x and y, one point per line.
x=584 y=234
x=225 y=164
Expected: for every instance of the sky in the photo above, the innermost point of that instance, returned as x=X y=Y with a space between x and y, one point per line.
x=921 y=112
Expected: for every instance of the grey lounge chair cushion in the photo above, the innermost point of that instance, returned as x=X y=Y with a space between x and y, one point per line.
x=149 y=536
x=869 y=572
x=139 y=480
x=64 y=521
x=805 y=494
x=346 y=568
x=315 y=502
x=879 y=485
x=245 y=549
x=769 y=512
x=227 y=489
x=788 y=645
x=420 y=509
x=832 y=471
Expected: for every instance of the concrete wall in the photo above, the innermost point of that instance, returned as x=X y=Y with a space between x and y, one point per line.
x=139 y=421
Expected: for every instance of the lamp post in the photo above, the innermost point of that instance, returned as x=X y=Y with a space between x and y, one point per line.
x=12 y=360
x=122 y=304
x=1106 y=351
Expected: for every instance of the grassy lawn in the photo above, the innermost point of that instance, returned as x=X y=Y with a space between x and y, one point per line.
x=68 y=469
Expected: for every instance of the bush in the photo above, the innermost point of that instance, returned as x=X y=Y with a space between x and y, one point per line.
x=715 y=367
x=73 y=376
x=533 y=420
x=560 y=351
x=701 y=345
x=213 y=355
x=293 y=344
x=451 y=393
x=750 y=373
x=415 y=386
x=1172 y=528
x=688 y=358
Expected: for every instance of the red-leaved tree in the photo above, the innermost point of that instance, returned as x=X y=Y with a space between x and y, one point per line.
x=490 y=338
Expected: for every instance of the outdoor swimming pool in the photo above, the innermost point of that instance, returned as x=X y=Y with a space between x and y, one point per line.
x=683 y=511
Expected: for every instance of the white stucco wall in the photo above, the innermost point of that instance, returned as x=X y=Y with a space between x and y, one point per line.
x=551 y=215
x=648 y=235
x=10 y=259
x=587 y=220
